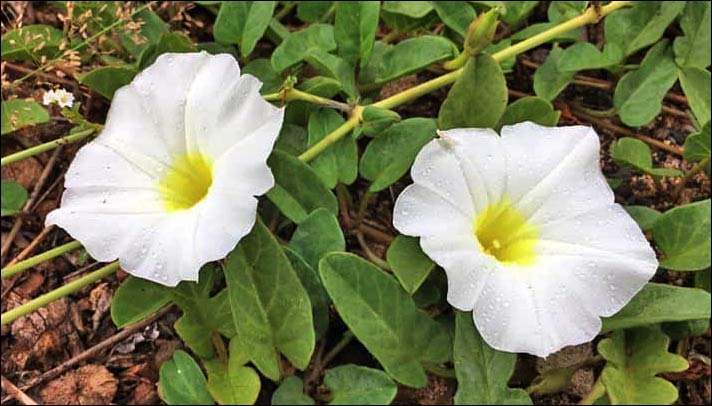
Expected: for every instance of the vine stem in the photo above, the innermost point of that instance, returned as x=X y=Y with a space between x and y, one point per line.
x=699 y=167
x=591 y=15
x=47 y=146
x=596 y=393
x=58 y=293
x=292 y=94
x=38 y=259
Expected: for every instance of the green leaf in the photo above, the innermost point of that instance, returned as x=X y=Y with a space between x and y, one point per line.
x=291 y=391
x=584 y=55
x=375 y=120
x=695 y=83
x=390 y=155
x=693 y=48
x=233 y=383
x=408 y=262
x=137 y=299
x=480 y=84
x=517 y=11
x=634 y=358
x=18 y=113
x=636 y=154
x=169 y=42
x=332 y=66
x=560 y=11
x=643 y=24
x=355 y=30
x=14 y=197
x=658 y=303
x=262 y=69
x=271 y=309
x=357 y=385
x=530 y=108
x=409 y=56
x=316 y=236
x=243 y=23
x=338 y=164
x=152 y=28
x=298 y=190
x=312 y=284
x=702 y=279
x=107 y=79
x=482 y=372
x=31 y=42
x=697 y=145
x=384 y=318
x=299 y=44
x=455 y=14
x=292 y=139
x=413 y=9
x=313 y=11
x=182 y=382
x=644 y=216
x=549 y=80
x=683 y=236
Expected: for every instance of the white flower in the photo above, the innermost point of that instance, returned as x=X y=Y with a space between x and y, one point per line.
x=61 y=97
x=49 y=97
x=527 y=231
x=170 y=183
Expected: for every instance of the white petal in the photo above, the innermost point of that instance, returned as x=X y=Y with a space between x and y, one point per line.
x=421 y=212
x=553 y=172
x=467 y=268
x=480 y=157
x=221 y=113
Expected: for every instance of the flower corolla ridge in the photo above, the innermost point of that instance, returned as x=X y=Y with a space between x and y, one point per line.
x=171 y=182
x=526 y=228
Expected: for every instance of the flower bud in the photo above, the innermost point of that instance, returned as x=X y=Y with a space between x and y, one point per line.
x=481 y=32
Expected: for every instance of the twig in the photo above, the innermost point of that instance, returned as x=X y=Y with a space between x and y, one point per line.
x=370 y=254
x=109 y=342
x=345 y=340
x=30 y=201
x=699 y=167
x=16 y=393
x=629 y=133
x=317 y=366
x=375 y=233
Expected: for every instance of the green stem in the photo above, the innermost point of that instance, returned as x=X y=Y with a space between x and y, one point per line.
x=458 y=62
x=289 y=6
x=588 y=17
x=345 y=340
x=49 y=297
x=292 y=94
x=363 y=205
x=47 y=146
x=38 y=259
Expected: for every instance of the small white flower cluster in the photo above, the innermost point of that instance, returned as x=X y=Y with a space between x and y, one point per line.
x=523 y=222
x=61 y=97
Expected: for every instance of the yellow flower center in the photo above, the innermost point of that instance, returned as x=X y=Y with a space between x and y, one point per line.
x=505 y=234
x=186 y=182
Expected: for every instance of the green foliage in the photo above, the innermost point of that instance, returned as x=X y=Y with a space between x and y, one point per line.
x=482 y=372
x=270 y=308
x=13 y=196
x=584 y=55
x=316 y=236
x=633 y=358
x=243 y=23
x=530 y=108
x=137 y=299
x=31 y=42
x=549 y=79
x=357 y=385
x=337 y=164
x=375 y=120
x=384 y=318
x=389 y=155
x=298 y=45
x=408 y=262
x=261 y=68
x=182 y=382
x=697 y=145
x=355 y=30
x=291 y=392
x=298 y=190
x=693 y=48
x=683 y=236
x=18 y=113
x=309 y=277
x=456 y=15
x=657 y=303
x=695 y=82
x=636 y=154
x=106 y=80
x=169 y=42
x=644 y=216
x=231 y=382
x=480 y=84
